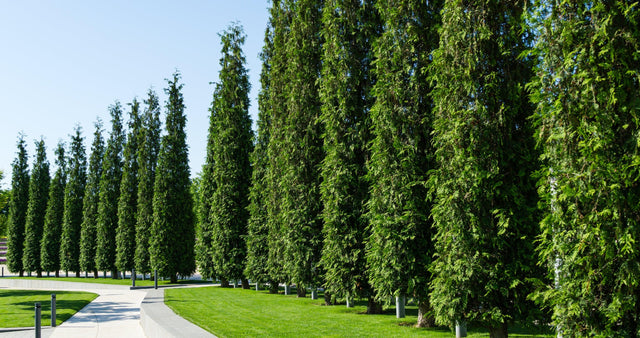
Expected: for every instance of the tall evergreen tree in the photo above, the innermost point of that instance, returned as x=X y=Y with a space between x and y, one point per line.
x=38 y=197
x=109 y=193
x=302 y=147
x=18 y=209
x=484 y=211
x=274 y=177
x=148 y=148
x=173 y=229
x=73 y=205
x=256 y=266
x=228 y=149
x=399 y=248
x=128 y=201
x=588 y=113
x=349 y=26
x=90 y=204
x=50 y=242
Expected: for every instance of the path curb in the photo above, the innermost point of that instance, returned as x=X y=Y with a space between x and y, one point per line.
x=158 y=320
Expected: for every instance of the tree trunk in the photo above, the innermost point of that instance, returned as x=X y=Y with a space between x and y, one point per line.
x=95 y=274
x=373 y=307
x=77 y=274
x=273 y=287
x=21 y=274
x=39 y=274
x=224 y=282
x=327 y=298
x=425 y=315
x=114 y=274
x=301 y=291
x=48 y=274
x=499 y=332
x=173 y=279
x=245 y=284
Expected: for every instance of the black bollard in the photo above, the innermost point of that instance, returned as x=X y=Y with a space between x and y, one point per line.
x=155 y=279
x=133 y=277
x=53 y=310
x=38 y=328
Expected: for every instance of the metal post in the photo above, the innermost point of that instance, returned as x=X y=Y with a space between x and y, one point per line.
x=461 y=329
x=3 y=271
x=155 y=279
x=133 y=277
x=53 y=310
x=400 y=313
x=38 y=328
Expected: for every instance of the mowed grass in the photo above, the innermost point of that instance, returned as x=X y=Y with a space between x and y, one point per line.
x=237 y=312
x=139 y=282
x=17 y=307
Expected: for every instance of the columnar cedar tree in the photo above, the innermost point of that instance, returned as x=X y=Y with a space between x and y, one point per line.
x=256 y=267
x=109 y=193
x=588 y=113
x=399 y=248
x=173 y=230
x=302 y=147
x=484 y=211
x=128 y=200
x=274 y=177
x=229 y=145
x=50 y=242
x=18 y=208
x=148 y=148
x=38 y=197
x=73 y=205
x=90 y=204
x=349 y=26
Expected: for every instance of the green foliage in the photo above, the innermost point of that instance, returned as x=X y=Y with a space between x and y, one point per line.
x=18 y=208
x=50 y=243
x=588 y=108
x=37 y=207
x=484 y=210
x=5 y=196
x=74 y=196
x=301 y=150
x=148 y=148
x=399 y=249
x=109 y=193
x=230 y=143
x=173 y=230
x=90 y=203
x=128 y=200
x=256 y=265
x=274 y=176
x=349 y=27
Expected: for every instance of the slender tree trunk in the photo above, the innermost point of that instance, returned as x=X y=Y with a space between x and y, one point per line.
x=21 y=274
x=301 y=291
x=224 y=282
x=245 y=284
x=425 y=315
x=499 y=332
x=174 y=279
x=373 y=307
x=39 y=274
x=327 y=298
x=273 y=287
x=114 y=274
x=77 y=274
x=48 y=274
x=95 y=274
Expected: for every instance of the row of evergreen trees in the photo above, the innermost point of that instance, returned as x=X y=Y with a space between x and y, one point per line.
x=118 y=213
x=476 y=156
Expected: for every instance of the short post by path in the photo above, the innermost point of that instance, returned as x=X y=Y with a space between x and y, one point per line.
x=37 y=319
x=53 y=310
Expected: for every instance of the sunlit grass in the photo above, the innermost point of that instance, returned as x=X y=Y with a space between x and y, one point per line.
x=127 y=281
x=17 y=307
x=236 y=312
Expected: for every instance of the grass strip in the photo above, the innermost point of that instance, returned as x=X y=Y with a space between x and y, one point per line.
x=18 y=306
x=229 y=312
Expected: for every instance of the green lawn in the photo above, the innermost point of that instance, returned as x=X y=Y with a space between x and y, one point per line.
x=237 y=312
x=18 y=306
x=127 y=281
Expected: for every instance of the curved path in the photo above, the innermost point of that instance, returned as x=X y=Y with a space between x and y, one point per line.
x=114 y=313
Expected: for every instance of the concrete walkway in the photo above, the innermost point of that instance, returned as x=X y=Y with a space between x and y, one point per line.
x=116 y=312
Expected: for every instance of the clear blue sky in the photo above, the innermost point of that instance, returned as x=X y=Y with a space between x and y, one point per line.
x=62 y=63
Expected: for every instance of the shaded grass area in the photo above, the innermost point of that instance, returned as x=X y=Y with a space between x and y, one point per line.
x=139 y=282
x=238 y=312
x=18 y=306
